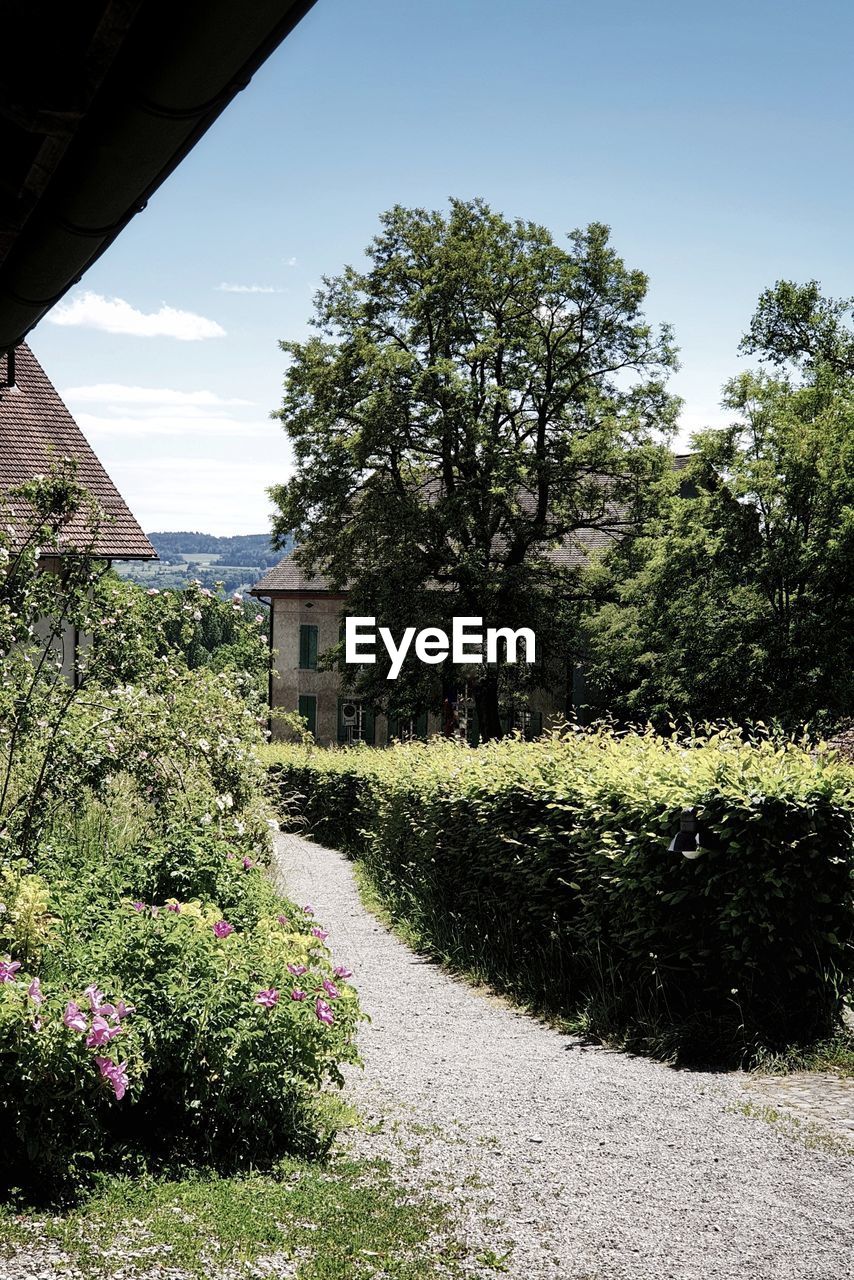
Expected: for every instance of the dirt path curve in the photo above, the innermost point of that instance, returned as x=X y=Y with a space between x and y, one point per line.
x=591 y=1164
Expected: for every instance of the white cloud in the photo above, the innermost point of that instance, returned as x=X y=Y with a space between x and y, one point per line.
x=247 y=288
x=119 y=393
x=289 y=262
x=219 y=496
x=114 y=315
x=191 y=424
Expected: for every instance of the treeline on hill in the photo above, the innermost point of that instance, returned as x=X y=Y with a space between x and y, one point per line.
x=240 y=549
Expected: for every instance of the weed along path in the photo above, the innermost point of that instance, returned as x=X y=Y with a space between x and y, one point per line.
x=565 y=1160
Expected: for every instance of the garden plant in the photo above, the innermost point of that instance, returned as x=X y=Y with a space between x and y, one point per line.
x=158 y=1001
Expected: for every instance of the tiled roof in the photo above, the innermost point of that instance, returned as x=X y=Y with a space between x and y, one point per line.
x=572 y=552
x=288 y=576
x=36 y=431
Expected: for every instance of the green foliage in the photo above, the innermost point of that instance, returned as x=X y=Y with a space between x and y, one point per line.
x=145 y=994
x=546 y=866
x=195 y=627
x=737 y=600
x=340 y=1219
x=475 y=397
x=211 y=1074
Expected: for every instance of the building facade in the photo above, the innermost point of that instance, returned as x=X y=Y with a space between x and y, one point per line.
x=306 y=620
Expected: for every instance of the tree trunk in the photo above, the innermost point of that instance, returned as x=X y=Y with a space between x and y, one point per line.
x=486 y=701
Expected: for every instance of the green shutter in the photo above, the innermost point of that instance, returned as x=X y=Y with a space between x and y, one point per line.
x=308 y=708
x=307 y=647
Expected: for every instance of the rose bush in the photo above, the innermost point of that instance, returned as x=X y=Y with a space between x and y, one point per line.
x=157 y=1000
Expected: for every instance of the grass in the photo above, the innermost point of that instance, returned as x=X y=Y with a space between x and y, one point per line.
x=835 y=1055
x=809 y=1135
x=342 y=1220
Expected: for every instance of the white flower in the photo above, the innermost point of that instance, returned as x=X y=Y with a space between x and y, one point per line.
x=206 y=819
x=204 y=745
x=272 y=824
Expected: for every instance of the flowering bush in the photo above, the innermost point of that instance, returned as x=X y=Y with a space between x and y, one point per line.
x=219 y=1026
x=156 y=998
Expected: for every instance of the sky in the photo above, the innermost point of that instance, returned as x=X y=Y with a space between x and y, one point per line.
x=715 y=139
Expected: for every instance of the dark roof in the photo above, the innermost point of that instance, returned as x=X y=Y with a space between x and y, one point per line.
x=99 y=101
x=37 y=431
x=288 y=576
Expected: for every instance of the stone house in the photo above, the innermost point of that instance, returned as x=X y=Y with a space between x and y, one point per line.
x=306 y=619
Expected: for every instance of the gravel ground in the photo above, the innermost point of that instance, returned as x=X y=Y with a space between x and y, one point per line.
x=586 y=1164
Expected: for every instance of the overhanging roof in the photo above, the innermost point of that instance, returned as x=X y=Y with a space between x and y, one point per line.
x=99 y=101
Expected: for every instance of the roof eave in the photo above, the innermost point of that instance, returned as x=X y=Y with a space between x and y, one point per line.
x=137 y=132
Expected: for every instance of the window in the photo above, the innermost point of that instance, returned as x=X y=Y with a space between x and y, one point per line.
x=355 y=721
x=408 y=728
x=308 y=648
x=308 y=708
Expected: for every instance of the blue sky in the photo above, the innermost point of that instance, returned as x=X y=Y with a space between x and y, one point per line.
x=715 y=139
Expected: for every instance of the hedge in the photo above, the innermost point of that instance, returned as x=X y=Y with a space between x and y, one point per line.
x=546 y=867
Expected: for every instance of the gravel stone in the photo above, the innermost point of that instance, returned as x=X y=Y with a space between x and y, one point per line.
x=585 y=1163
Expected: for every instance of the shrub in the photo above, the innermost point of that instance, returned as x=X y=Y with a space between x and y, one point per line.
x=139 y=782
x=219 y=1059
x=547 y=866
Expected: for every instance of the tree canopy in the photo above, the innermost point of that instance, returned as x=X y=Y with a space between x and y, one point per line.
x=739 y=600
x=474 y=397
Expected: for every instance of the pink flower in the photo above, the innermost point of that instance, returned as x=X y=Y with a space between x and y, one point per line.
x=341 y=971
x=324 y=1013
x=297 y=994
x=101 y=1033
x=152 y=591
x=283 y=920
x=174 y=906
x=34 y=991
x=138 y=906
x=74 y=1018
x=8 y=969
x=247 y=863
x=297 y=970
x=37 y=1024
x=267 y=998
x=222 y=929
x=308 y=910
x=116 y=1074
x=330 y=989
x=320 y=933
x=123 y=1010
x=95 y=997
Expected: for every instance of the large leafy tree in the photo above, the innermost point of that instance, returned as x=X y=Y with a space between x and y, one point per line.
x=473 y=397
x=739 y=599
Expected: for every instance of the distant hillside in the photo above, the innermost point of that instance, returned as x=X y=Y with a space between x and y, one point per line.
x=236 y=562
x=242 y=548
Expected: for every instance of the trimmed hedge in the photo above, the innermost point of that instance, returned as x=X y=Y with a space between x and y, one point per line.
x=546 y=867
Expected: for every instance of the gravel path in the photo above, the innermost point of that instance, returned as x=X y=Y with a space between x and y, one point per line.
x=585 y=1163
